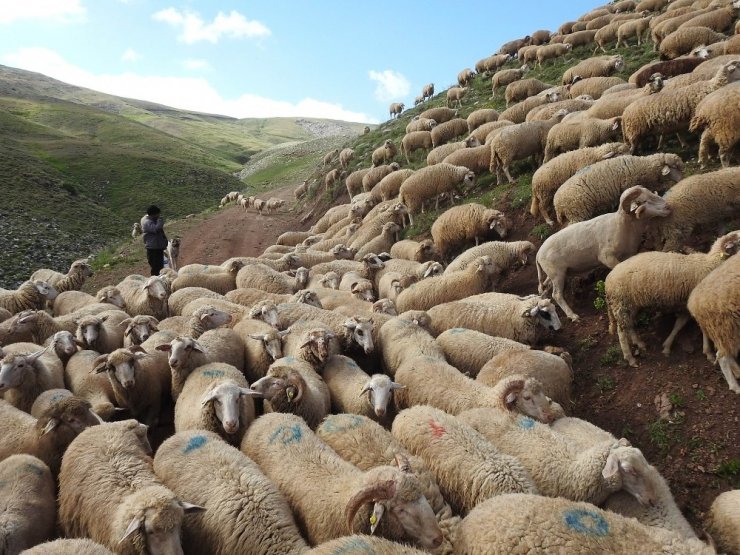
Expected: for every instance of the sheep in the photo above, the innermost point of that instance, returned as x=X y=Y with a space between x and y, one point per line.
x=440 y=114
x=589 y=476
x=501 y=315
x=594 y=86
x=414 y=141
x=47 y=399
x=205 y=317
x=333 y=177
x=455 y=96
x=319 y=508
x=506 y=77
x=392 y=283
x=503 y=522
x=38 y=326
x=377 y=173
x=136 y=385
x=348 y=384
x=301 y=190
x=263 y=277
x=30 y=295
x=353 y=182
x=145 y=296
x=329 y=156
x=406 y=337
x=72 y=301
x=520 y=141
x=634 y=28
x=439 y=153
x=546 y=111
x=381 y=243
x=639 y=281
x=118 y=501
x=459 y=457
x=551 y=51
x=423 y=251
x=721 y=126
x=684 y=40
x=395 y=109
x=215 y=279
x=310 y=341
x=583 y=132
x=262 y=346
x=579 y=38
x=448 y=130
x=29 y=504
x=465 y=77
x=102 y=332
x=714 y=304
x=138 y=329
x=518 y=112
x=94 y=388
x=68 y=547
x=663 y=28
x=345 y=157
x=599 y=66
x=596 y=188
x=722 y=521
x=720 y=20
x=504 y=255
x=334 y=214
x=430 y=182
x=491 y=63
x=481 y=116
x=418 y=124
x=427 y=91
x=605 y=239
x=469 y=350
x=263 y=520
x=699 y=201
x=522 y=89
x=78 y=272
x=464 y=223
x=476 y=159
x=292 y=238
x=63 y=345
x=385 y=153
x=26 y=370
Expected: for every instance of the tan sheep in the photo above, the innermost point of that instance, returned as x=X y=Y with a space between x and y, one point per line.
x=491 y=63
x=723 y=523
x=552 y=51
x=419 y=124
x=440 y=114
x=613 y=105
x=377 y=173
x=481 y=116
x=594 y=86
x=504 y=255
x=465 y=223
x=465 y=77
x=518 y=112
x=423 y=251
x=506 y=77
x=448 y=130
x=430 y=182
x=30 y=295
x=385 y=153
x=476 y=159
x=524 y=88
x=354 y=187
x=583 y=132
x=438 y=154
x=395 y=109
x=635 y=28
x=329 y=156
x=78 y=272
x=483 y=132
x=598 y=66
x=579 y=38
x=345 y=157
x=414 y=141
x=333 y=177
x=469 y=350
x=684 y=40
x=720 y=125
x=717 y=19
x=546 y=111
x=389 y=186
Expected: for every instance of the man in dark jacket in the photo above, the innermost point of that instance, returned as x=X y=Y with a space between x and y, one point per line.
x=155 y=241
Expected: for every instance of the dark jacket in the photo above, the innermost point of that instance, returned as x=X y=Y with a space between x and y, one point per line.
x=153 y=232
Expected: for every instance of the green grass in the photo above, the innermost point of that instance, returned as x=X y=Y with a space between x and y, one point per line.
x=600 y=300
x=611 y=356
x=605 y=383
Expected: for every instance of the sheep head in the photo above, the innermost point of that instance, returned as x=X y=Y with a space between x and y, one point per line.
x=526 y=396
x=265 y=311
x=228 y=395
x=343 y=252
x=498 y=222
x=372 y=263
x=672 y=167
x=317 y=342
x=330 y=280
x=139 y=328
x=64 y=344
x=643 y=204
x=120 y=365
x=26 y=320
x=363 y=290
x=379 y=389
x=287 y=383
x=306 y=296
x=727 y=245
x=181 y=349
x=628 y=465
x=68 y=416
x=211 y=317
x=418 y=318
x=155 y=288
x=362 y=329
x=525 y=249
x=80 y=268
x=272 y=342
x=385 y=306
x=618 y=63
x=15 y=367
x=111 y=295
x=431 y=269
x=546 y=314
x=44 y=289
x=301 y=278
x=234 y=266
x=88 y=330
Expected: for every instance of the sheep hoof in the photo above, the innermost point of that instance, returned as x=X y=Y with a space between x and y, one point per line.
x=666 y=351
x=574 y=318
x=633 y=363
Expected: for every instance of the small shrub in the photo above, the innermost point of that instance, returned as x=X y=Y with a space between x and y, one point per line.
x=700 y=395
x=605 y=383
x=677 y=400
x=541 y=231
x=612 y=355
x=600 y=300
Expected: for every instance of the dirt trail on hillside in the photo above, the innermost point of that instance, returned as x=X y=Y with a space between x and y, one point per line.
x=232 y=232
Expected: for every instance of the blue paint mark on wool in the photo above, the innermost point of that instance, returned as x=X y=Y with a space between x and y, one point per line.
x=456 y=331
x=342 y=422
x=213 y=373
x=58 y=397
x=196 y=442
x=586 y=522
x=286 y=434
x=355 y=546
x=33 y=469
x=525 y=422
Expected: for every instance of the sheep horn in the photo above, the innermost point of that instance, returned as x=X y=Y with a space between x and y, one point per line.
x=295 y=380
x=373 y=492
x=368 y=387
x=403 y=462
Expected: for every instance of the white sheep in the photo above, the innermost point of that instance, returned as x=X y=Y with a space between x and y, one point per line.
x=395 y=109
x=418 y=124
x=138 y=329
x=469 y=350
x=72 y=301
x=506 y=77
x=312 y=342
x=427 y=91
x=30 y=295
x=573 y=134
x=551 y=51
x=145 y=295
x=477 y=159
x=118 y=501
x=445 y=132
x=187 y=460
x=684 y=39
x=414 y=141
x=215 y=278
x=481 y=116
x=205 y=318
x=430 y=182
x=721 y=126
x=263 y=277
x=385 y=153
x=605 y=239
x=505 y=255
x=69 y=547
x=78 y=272
x=437 y=155
x=26 y=370
x=598 y=66
x=102 y=332
x=94 y=388
x=345 y=157
x=376 y=173
x=406 y=337
x=722 y=521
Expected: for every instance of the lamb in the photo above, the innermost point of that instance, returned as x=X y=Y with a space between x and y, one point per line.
x=48 y=436
x=102 y=332
x=72 y=301
x=118 y=501
x=458 y=456
x=506 y=77
x=243 y=507
x=469 y=350
x=430 y=182
x=721 y=126
x=491 y=63
x=26 y=370
x=722 y=521
x=714 y=304
x=138 y=329
x=262 y=346
x=418 y=124
x=579 y=476
x=29 y=504
x=455 y=96
x=551 y=51
x=504 y=255
x=699 y=201
x=215 y=397
x=551 y=367
x=78 y=272
x=377 y=173
x=414 y=141
x=263 y=277
x=320 y=508
x=598 y=66
x=348 y=384
x=501 y=315
x=395 y=109
x=381 y=243
x=427 y=91
x=595 y=189
x=684 y=40
x=145 y=296
x=639 y=281
x=524 y=88
x=605 y=239
x=440 y=115
x=385 y=153
x=31 y=295
x=518 y=142
x=634 y=28
x=422 y=251
x=94 y=388
x=445 y=132
x=481 y=116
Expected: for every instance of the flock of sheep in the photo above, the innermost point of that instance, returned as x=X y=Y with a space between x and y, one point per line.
x=349 y=392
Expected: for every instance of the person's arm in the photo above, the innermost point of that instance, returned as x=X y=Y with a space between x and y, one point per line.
x=152 y=226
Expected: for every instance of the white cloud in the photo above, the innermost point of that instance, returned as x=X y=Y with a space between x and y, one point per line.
x=60 y=10
x=392 y=85
x=194 y=28
x=195 y=65
x=189 y=93
x=130 y=55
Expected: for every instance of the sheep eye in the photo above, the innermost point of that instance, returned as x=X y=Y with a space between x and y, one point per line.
x=527 y=397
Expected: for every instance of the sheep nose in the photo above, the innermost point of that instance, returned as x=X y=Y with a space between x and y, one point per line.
x=380 y=411
x=144 y=336
x=436 y=542
x=230 y=426
x=128 y=384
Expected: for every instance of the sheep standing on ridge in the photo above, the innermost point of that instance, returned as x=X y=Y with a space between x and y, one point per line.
x=430 y=182
x=467 y=222
x=345 y=157
x=465 y=77
x=455 y=96
x=506 y=77
x=599 y=66
x=427 y=91
x=395 y=109
x=385 y=153
x=414 y=141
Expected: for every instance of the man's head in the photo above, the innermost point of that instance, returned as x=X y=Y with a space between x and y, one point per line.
x=153 y=210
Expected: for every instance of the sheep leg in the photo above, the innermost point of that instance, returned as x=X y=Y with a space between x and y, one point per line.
x=637 y=341
x=558 y=282
x=508 y=174
x=730 y=367
x=706 y=347
x=681 y=320
x=724 y=157
x=704 y=150
x=680 y=140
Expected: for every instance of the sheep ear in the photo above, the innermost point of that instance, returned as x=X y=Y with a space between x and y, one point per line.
x=611 y=467
x=257 y=336
x=365 y=389
x=208 y=397
x=197 y=347
x=189 y=508
x=283 y=333
x=666 y=170
x=403 y=462
x=395 y=385
x=103 y=319
x=124 y=324
x=50 y=426
x=608 y=155
x=133 y=526
x=511 y=397
x=350 y=324
x=137 y=349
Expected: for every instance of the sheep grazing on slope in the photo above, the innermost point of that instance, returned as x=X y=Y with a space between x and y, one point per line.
x=330 y=496
x=552 y=51
x=469 y=350
x=438 y=154
x=546 y=111
x=580 y=38
x=635 y=28
x=78 y=272
x=599 y=66
x=506 y=77
x=722 y=521
x=30 y=295
x=385 y=153
x=476 y=159
x=523 y=89
x=418 y=124
x=594 y=86
x=639 y=282
x=333 y=177
x=243 y=507
x=461 y=224
x=596 y=188
x=605 y=239
x=683 y=41
x=503 y=254
x=551 y=175
x=491 y=63
x=395 y=109
x=377 y=173
x=448 y=130
x=354 y=187
x=423 y=251
x=118 y=501
x=345 y=157
x=430 y=182
x=714 y=303
x=427 y=91
x=329 y=156
x=481 y=116
x=580 y=133
x=440 y=115
x=414 y=141
x=671 y=111
x=721 y=126
x=518 y=112
x=485 y=132
x=455 y=96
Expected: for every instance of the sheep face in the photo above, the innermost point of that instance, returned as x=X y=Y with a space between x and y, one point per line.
x=527 y=397
x=362 y=329
x=385 y=306
x=212 y=317
x=431 y=269
x=318 y=343
x=643 y=204
x=363 y=290
x=498 y=222
x=181 y=349
x=301 y=277
x=123 y=369
x=45 y=290
x=672 y=172
x=226 y=400
x=545 y=313
x=272 y=342
x=73 y=413
x=330 y=280
x=342 y=252
x=24 y=321
x=379 y=391
x=156 y=288
x=81 y=267
x=64 y=344
x=112 y=296
x=88 y=330
x=634 y=471
x=14 y=369
x=619 y=64
x=306 y=296
x=267 y=312
x=139 y=328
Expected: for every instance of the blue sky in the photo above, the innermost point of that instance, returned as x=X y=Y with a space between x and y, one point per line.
x=342 y=60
